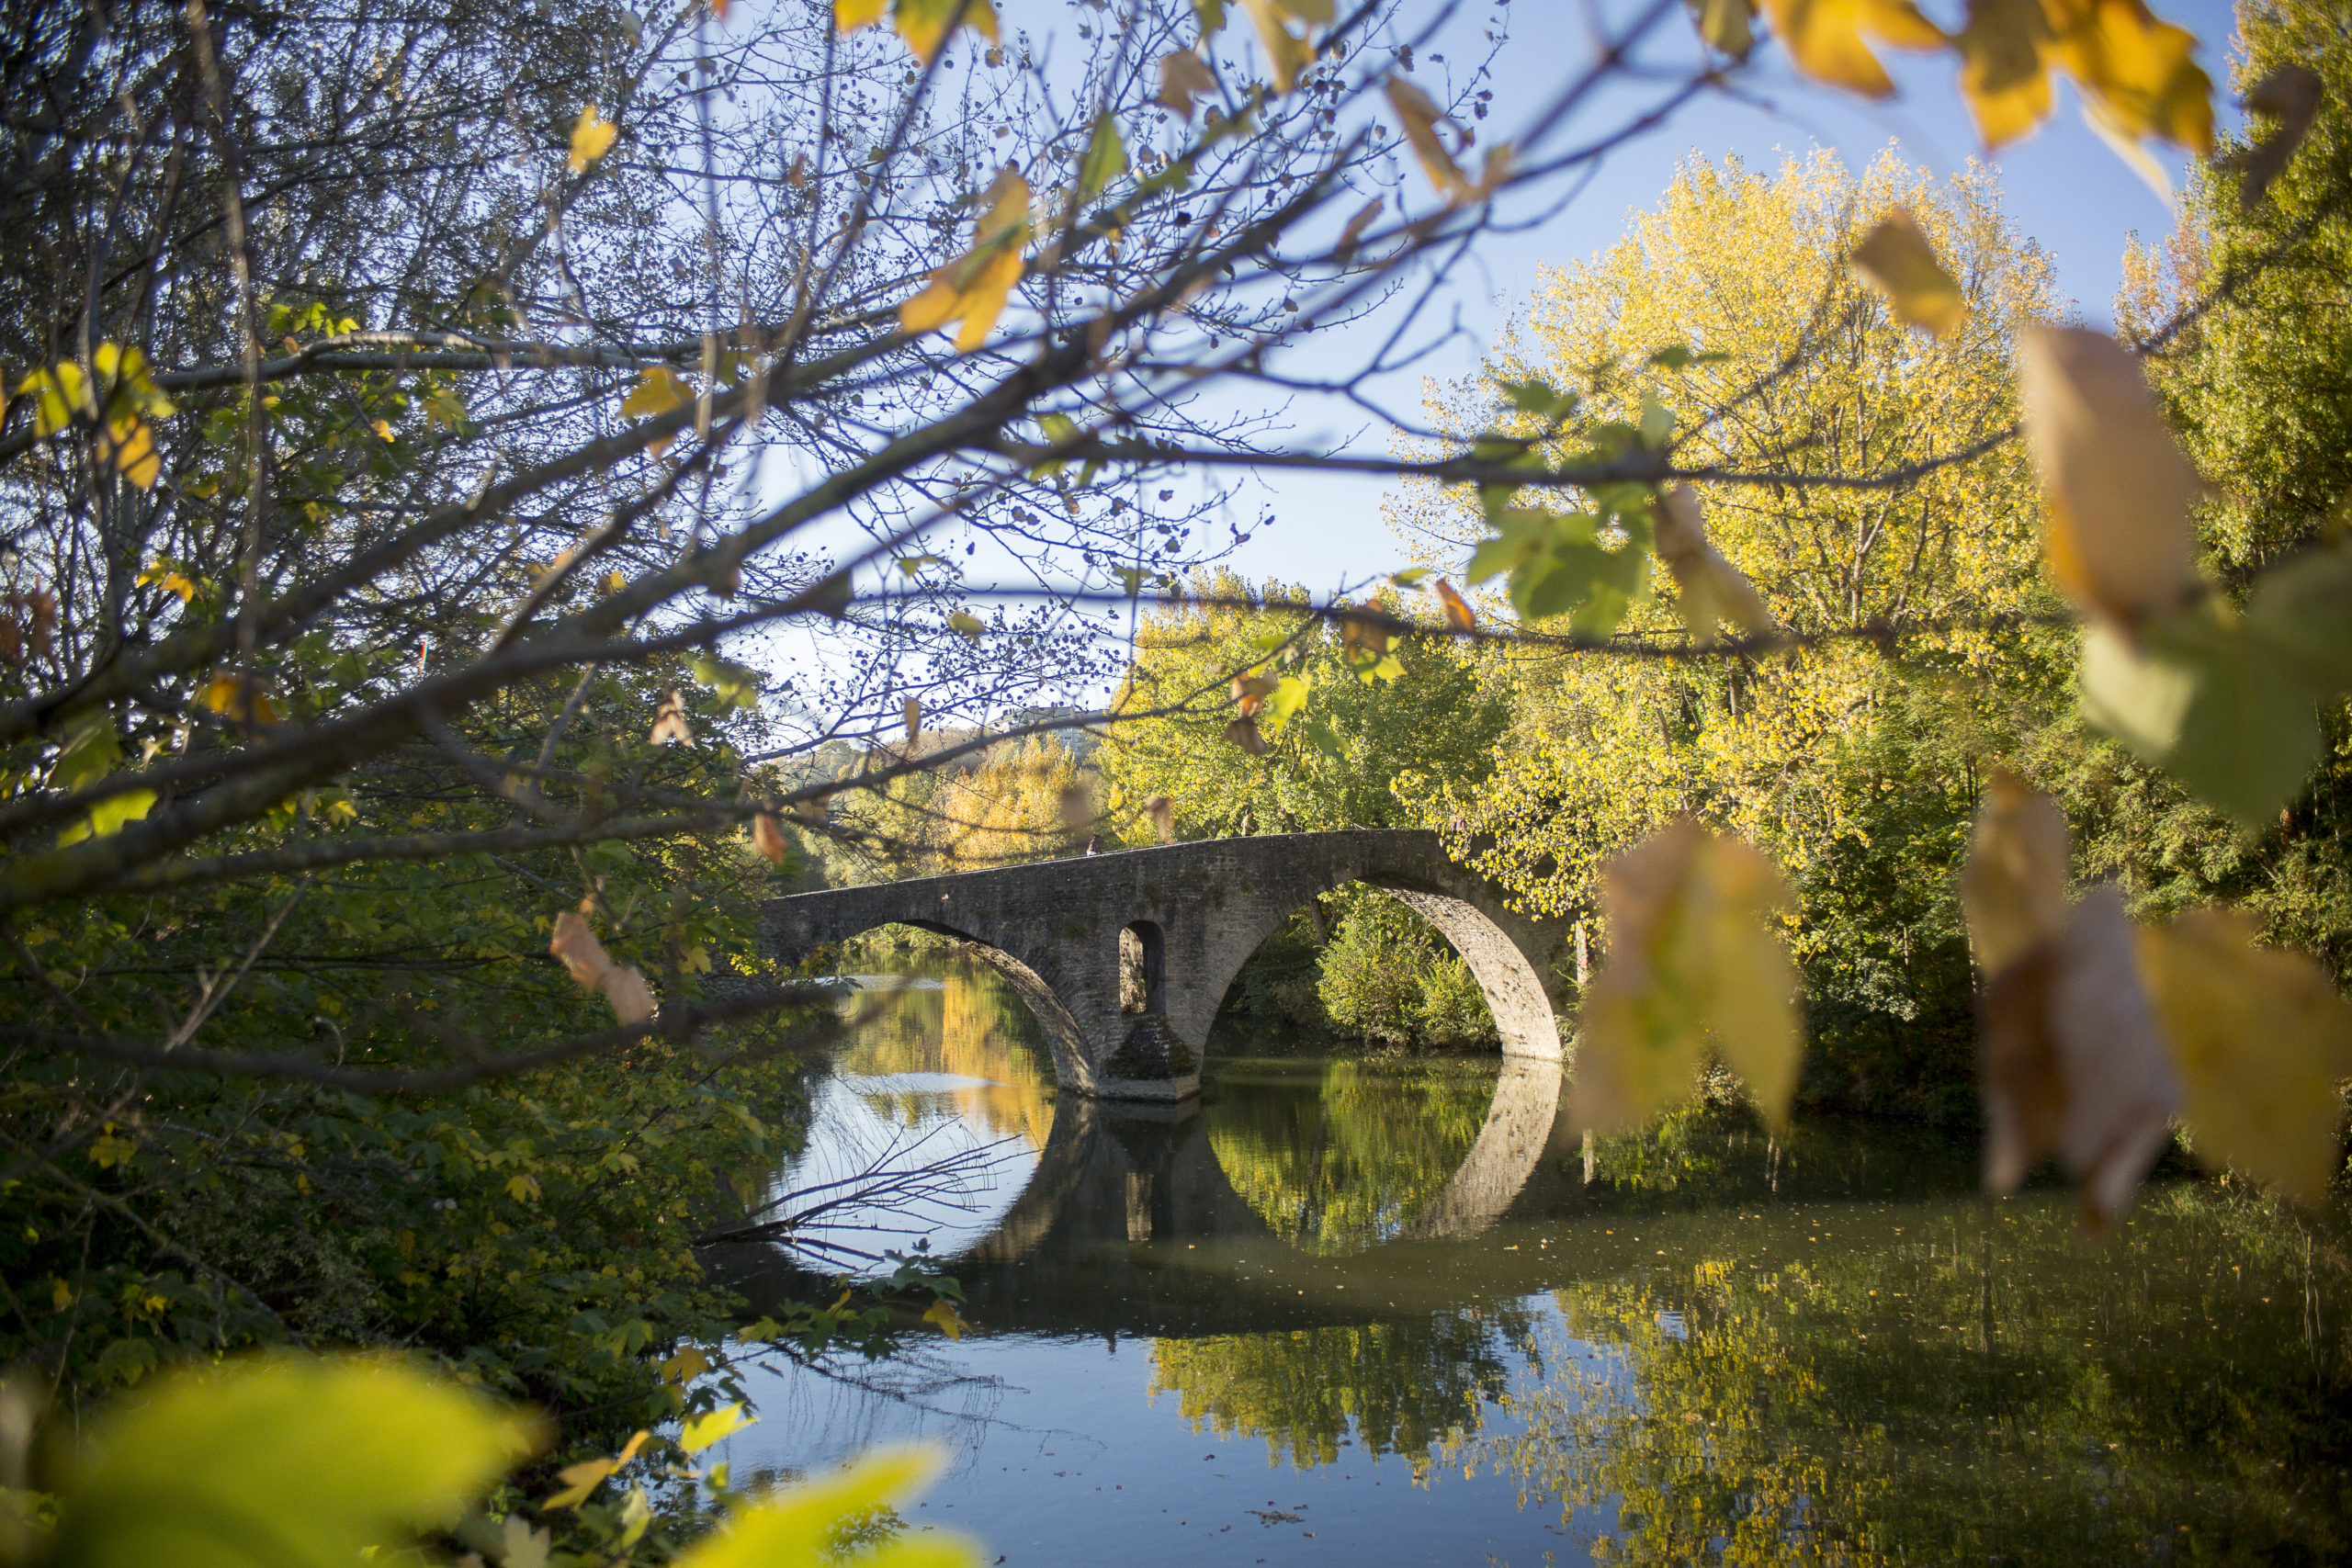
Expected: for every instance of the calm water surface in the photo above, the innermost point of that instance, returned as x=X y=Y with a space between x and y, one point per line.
x=1345 y=1312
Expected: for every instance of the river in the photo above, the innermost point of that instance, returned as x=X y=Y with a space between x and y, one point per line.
x=1354 y=1312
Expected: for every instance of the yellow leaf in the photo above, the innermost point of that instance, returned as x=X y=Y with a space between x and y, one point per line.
x=923 y=23
x=383 y=429
x=2004 y=74
x=2013 y=888
x=1287 y=55
x=658 y=390
x=591 y=138
x=2260 y=1040
x=1896 y=259
x=1824 y=38
x=1420 y=116
x=973 y=289
x=1692 y=956
x=851 y=15
x=238 y=699
x=943 y=1312
x=2117 y=491
x=1183 y=77
x=523 y=1189
x=321 y=1456
x=1713 y=589
x=966 y=624
x=701 y=1431
x=910 y=709
x=2135 y=71
x=802 y=1524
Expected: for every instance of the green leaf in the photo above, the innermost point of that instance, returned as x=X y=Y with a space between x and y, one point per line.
x=966 y=624
x=1105 y=160
x=735 y=685
x=1060 y=430
x=90 y=753
x=1408 y=577
x=2219 y=711
x=802 y=1524
x=2302 y=612
x=108 y=816
x=911 y=566
x=1211 y=15
x=1681 y=357
x=322 y=1458
x=701 y=1431
x=1540 y=398
x=1290 y=693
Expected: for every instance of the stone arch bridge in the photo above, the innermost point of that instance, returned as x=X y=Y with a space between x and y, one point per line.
x=1125 y=957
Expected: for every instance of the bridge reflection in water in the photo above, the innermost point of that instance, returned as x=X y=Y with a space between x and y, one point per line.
x=1338 y=1312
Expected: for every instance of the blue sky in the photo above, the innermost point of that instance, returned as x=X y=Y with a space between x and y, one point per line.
x=2062 y=187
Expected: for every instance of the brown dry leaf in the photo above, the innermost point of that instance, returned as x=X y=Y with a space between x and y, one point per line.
x=1693 y=956
x=1824 y=38
x=2260 y=1040
x=2117 y=491
x=1162 y=812
x=767 y=837
x=810 y=810
x=1714 y=590
x=591 y=138
x=1243 y=732
x=1250 y=693
x=1077 y=808
x=973 y=287
x=670 y=726
x=658 y=390
x=1183 y=77
x=910 y=709
x=1724 y=24
x=1897 y=259
x=1364 y=640
x=1459 y=617
x=1417 y=113
x=582 y=953
x=1358 y=221
x=2074 y=1065
x=2013 y=888
x=2290 y=94
x=625 y=989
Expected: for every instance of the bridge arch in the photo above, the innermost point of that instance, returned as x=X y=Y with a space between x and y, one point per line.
x=1080 y=938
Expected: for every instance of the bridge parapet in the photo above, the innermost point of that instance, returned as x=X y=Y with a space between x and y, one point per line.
x=1125 y=957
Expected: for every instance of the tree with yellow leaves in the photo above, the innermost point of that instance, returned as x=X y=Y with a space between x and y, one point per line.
x=1797 y=367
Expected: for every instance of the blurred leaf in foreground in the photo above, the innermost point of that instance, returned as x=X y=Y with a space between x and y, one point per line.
x=290 y=1459
x=2261 y=1040
x=1693 y=957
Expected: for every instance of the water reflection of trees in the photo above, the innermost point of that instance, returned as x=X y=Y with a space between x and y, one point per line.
x=1984 y=1389
x=1337 y=1161
x=970 y=1026
x=1411 y=1388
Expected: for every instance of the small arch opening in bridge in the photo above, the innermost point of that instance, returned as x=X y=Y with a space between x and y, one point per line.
x=1142 y=967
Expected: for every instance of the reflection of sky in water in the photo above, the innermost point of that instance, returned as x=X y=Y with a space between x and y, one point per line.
x=1065 y=1450
x=862 y=1121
